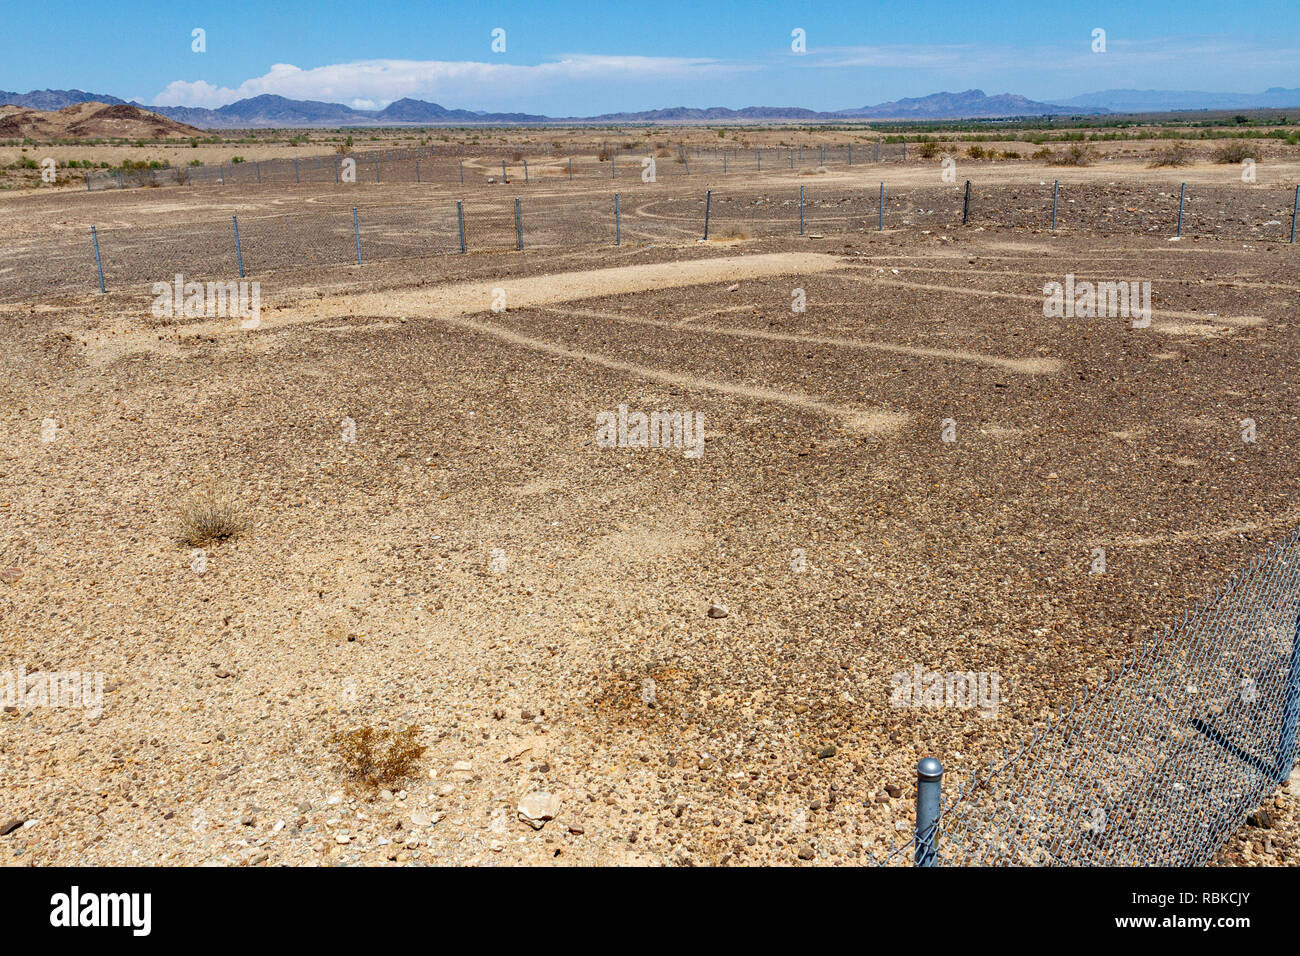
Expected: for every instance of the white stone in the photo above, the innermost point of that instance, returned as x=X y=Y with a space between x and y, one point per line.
x=537 y=807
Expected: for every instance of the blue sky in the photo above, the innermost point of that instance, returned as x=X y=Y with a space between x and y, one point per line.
x=582 y=57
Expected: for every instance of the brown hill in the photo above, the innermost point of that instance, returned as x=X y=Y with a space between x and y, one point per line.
x=90 y=121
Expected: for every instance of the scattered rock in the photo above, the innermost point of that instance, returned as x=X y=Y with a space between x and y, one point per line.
x=10 y=825
x=718 y=610
x=537 y=807
x=1261 y=819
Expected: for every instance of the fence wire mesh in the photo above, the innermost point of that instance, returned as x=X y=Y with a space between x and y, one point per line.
x=1162 y=762
x=557 y=214
x=541 y=163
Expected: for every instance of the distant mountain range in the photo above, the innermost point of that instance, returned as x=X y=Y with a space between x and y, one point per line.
x=1161 y=101
x=270 y=111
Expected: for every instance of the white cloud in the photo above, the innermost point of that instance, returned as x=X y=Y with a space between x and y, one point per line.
x=451 y=83
x=1189 y=55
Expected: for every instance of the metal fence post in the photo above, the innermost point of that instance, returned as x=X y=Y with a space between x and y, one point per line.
x=758 y=157
x=965 y=206
x=239 y=255
x=850 y=154
x=881 y=228
x=905 y=150
x=417 y=170
x=618 y=228
x=94 y=237
x=724 y=160
x=503 y=171
x=525 y=172
x=1294 y=208
x=801 y=210
x=613 y=157
x=876 y=157
x=460 y=224
x=462 y=172
x=1056 y=185
x=297 y=174
x=356 y=233
x=1292 y=218
x=519 y=227
x=1181 y=197
x=929 y=788
x=570 y=169
x=708 y=200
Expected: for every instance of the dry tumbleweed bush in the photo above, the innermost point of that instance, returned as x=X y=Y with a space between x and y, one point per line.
x=379 y=758
x=210 y=513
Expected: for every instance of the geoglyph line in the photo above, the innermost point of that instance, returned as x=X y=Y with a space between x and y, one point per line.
x=1034 y=366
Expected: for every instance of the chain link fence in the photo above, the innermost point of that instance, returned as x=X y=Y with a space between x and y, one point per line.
x=1159 y=764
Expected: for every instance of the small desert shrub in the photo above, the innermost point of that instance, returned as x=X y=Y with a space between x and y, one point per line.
x=1076 y=154
x=1046 y=153
x=1233 y=152
x=929 y=150
x=210 y=513
x=976 y=152
x=378 y=758
x=1175 y=155
x=516 y=156
x=1010 y=154
x=604 y=155
x=819 y=171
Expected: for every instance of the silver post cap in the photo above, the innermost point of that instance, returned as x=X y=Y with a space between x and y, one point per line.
x=929 y=769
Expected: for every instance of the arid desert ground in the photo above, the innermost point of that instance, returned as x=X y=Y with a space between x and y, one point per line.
x=693 y=654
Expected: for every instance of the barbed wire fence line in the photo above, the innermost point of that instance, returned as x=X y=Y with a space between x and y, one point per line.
x=321 y=234
x=446 y=164
x=1160 y=764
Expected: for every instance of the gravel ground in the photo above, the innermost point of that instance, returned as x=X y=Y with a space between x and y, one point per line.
x=476 y=565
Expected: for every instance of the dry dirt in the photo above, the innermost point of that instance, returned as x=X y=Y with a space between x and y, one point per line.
x=475 y=564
